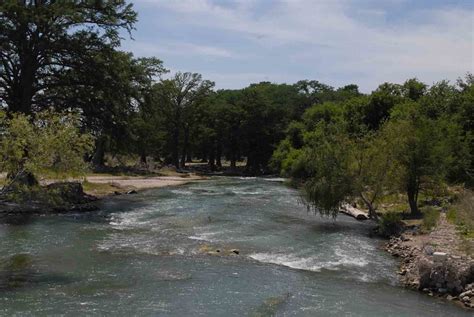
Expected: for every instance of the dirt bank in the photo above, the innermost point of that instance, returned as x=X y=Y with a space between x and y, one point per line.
x=436 y=263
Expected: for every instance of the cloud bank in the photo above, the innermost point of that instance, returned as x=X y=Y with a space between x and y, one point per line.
x=335 y=41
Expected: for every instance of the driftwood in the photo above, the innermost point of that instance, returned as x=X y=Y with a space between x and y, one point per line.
x=354 y=212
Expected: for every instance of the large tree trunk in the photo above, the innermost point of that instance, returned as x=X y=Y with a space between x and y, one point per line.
x=184 y=152
x=233 y=163
x=212 y=157
x=412 y=194
x=233 y=154
x=189 y=157
x=143 y=159
x=219 y=154
x=23 y=88
x=98 y=160
x=175 y=146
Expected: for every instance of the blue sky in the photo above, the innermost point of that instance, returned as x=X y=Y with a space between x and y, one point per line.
x=338 y=42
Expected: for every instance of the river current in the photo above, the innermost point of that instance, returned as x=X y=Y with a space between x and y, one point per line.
x=155 y=254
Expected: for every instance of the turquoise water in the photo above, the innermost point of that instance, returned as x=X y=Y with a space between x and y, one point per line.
x=148 y=255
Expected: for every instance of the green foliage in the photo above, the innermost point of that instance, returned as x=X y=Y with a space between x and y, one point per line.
x=390 y=224
x=328 y=112
x=327 y=162
x=402 y=138
x=422 y=152
x=23 y=194
x=430 y=218
x=50 y=40
x=462 y=213
x=49 y=144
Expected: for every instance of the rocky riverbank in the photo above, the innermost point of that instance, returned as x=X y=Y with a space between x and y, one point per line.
x=62 y=197
x=52 y=197
x=434 y=263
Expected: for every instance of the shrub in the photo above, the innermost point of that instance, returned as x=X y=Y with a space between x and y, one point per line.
x=430 y=218
x=390 y=224
x=463 y=212
x=48 y=144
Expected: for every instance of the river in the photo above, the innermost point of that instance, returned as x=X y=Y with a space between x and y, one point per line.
x=152 y=254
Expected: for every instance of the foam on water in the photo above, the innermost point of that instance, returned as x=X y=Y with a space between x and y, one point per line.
x=275 y=179
x=309 y=263
x=206 y=236
x=150 y=258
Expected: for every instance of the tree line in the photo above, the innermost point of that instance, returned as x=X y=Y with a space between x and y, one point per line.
x=65 y=81
x=408 y=138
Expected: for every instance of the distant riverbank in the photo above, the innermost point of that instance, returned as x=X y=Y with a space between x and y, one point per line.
x=79 y=195
x=103 y=185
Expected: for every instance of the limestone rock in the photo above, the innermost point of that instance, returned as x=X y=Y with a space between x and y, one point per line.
x=440 y=256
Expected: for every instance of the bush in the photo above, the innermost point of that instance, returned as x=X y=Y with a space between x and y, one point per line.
x=48 y=144
x=462 y=213
x=430 y=218
x=390 y=224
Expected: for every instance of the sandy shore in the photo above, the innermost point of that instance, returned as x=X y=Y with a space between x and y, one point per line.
x=99 y=185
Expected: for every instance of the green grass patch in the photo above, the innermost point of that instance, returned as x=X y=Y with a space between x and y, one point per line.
x=462 y=213
x=430 y=218
x=98 y=189
x=451 y=215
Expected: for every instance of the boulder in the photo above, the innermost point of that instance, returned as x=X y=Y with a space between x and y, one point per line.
x=428 y=250
x=440 y=256
x=466 y=293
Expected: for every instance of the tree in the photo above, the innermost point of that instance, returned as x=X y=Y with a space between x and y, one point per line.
x=336 y=168
x=47 y=144
x=413 y=89
x=177 y=97
x=373 y=167
x=421 y=154
x=327 y=162
x=41 y=41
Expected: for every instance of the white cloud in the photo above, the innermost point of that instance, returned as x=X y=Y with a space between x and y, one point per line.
x=329 y=34
x=184 y=49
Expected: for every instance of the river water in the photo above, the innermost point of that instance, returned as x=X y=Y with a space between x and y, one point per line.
x=154 y=254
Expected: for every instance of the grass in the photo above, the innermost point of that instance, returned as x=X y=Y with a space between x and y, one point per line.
x=430 y=218
x=98 y=189
x=462 y=213
x=393 y=203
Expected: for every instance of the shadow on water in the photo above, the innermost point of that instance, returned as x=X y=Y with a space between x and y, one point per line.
x=19 y=272
x=271 y=306
x=17 y=219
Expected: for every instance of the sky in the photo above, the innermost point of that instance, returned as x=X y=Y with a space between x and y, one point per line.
x=337 y=42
